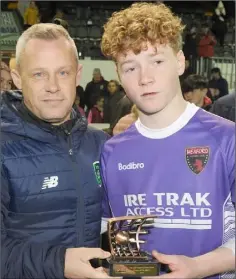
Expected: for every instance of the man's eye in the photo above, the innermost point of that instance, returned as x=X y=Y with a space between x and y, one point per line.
x=64 y=73
x=38 y=75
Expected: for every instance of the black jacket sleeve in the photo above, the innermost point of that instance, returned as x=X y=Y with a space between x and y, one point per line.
x=225 y=107
x=21 y=258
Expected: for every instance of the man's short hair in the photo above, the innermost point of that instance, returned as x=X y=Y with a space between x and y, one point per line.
x=96 y=71
x=194 y=82
x=216 y=70
x=132 y=28
x=42 y=31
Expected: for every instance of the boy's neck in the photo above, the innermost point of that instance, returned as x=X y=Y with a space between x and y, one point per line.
x=167 y=116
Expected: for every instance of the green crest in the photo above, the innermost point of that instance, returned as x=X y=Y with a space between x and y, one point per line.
x=96 y=168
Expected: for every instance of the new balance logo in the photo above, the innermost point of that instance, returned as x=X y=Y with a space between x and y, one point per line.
x=50 y=182
x=131 y=166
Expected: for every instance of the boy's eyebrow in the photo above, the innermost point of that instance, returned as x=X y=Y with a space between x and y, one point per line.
x=127 y=62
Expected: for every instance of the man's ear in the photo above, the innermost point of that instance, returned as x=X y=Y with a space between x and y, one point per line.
x=181 y=62
x=16 y=78
x=79 y=74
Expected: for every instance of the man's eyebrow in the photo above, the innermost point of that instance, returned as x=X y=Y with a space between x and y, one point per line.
x=44 y=69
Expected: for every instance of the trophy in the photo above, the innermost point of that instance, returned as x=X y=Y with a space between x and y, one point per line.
x=127 y=259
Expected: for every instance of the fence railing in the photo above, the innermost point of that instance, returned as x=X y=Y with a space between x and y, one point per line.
x=225 y=64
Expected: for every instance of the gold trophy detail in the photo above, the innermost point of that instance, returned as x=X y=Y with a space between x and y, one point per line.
x=127 y=259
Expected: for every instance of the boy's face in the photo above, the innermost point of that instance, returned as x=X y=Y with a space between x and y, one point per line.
x=196 y=96
x=151 y=79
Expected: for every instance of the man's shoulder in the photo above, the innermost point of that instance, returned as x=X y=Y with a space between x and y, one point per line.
x=228 y=100
x=218 y=127
x=97 y=134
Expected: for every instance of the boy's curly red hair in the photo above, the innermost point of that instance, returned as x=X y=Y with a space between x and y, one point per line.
x=132 y=28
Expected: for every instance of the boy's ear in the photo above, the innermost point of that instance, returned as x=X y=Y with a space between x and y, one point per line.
x=181 y=62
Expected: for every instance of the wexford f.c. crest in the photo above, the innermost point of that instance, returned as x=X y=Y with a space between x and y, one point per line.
x=197 y=158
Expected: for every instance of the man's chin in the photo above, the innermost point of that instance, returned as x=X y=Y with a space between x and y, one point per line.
x=55 y=120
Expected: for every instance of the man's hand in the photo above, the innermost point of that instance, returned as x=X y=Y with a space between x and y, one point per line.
x=77 y=263
x=180 y=266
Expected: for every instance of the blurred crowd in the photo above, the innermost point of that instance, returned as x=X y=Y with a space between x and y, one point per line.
x=104 y=101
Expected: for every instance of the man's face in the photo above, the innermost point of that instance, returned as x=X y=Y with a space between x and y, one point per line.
x=151 y=79
x=215 y=75
x=97 y=77
x=48 y=76
x=196 y=96
x=32 y=4
x=6 y=80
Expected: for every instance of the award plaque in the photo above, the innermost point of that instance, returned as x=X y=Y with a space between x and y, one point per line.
x=127 y=259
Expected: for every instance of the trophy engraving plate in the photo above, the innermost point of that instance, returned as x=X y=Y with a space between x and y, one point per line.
x=127 y=259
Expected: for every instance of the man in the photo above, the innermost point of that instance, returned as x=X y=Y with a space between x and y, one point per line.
x=177 y=161
x=59 y=19
x=225 y=107
x=6 y=80
x=111 y=103
x=95 y=88
x=195 y=88
x=31 y=15
x=218 y=85
x=50 y=191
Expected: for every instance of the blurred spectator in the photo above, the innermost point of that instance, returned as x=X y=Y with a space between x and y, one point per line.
x=96 y=112
x=80 y=94
x=225 y=107
x=190 y=47
x=59 y=14
x=187 y=72
x=6 y=79
x=31 y=15
x=77 y=103
x=125 y=122
x=111 y=102
x=12 y=63
x=59 y=19
x=194 y=90
x=123 y=108
x=95 y=88
x=219 y=27
x=218 y=85
x=206 y=43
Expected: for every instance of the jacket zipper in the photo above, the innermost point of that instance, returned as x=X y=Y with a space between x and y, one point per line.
x=80 y=220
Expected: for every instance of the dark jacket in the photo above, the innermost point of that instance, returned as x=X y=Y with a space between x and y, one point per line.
x=94 y=90
x=225 y=107
x=80 y=94
x=50 y=195
x=110 y=106
x=190 y=47
x=123 y=108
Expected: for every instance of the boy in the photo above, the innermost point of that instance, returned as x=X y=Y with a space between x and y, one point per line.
x=176 y=161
